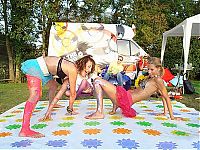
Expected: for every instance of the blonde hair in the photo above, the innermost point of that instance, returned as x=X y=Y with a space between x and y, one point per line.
x=157 y=63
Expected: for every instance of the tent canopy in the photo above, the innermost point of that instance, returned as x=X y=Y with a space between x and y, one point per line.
x=189 y=27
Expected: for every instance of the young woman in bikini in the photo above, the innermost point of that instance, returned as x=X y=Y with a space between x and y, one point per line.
x=125 y=99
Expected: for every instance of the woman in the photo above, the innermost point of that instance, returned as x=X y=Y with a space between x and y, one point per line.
x=125 y=99
x=79 y=65
x=83 y=83
x=39 y=72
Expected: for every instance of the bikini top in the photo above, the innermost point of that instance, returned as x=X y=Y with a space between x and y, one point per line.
x=60 y=72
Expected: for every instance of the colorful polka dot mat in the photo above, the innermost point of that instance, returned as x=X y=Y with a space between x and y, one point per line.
x=146 y=131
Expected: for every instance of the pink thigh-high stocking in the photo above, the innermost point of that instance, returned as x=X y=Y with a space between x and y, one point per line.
x=35 y=89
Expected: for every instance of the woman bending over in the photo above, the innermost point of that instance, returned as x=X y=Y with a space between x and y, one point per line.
x=125 y=99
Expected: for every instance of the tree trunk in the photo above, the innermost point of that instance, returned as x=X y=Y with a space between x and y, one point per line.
x=8 y=45
x=10 y=60
x=17 y=74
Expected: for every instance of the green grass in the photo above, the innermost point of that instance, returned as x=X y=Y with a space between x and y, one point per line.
x=12 y=94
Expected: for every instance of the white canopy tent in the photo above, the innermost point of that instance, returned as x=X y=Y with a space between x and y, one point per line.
x=189 y=27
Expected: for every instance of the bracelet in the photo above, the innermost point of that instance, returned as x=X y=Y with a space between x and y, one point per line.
x=69 y=110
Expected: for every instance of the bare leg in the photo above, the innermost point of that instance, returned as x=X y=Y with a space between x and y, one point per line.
x=35 y=89
x=109 y=89
x=51 y=93
x=84 y=85
x=114 y=109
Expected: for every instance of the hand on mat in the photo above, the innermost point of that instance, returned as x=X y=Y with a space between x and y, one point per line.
x=46 y=118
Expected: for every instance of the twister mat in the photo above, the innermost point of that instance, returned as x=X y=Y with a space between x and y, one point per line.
x=146 y=131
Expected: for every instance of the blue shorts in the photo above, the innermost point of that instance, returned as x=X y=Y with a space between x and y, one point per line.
x=32 y=68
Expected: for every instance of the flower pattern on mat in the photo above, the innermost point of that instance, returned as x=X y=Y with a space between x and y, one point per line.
x=65 y=124
x=76 y=105
x=14 y=126
x=2 y=120
x=152 y=132
x=139 y=118
x=107 y=105
x=92 y=123
x=185 y=119
x=180 y=133
x=167 y=124
x=193 y=125
x=57 y=143
x=21 y=108
x=128 y=143
x=4 y=134
x=40 y=107
x=39 y=126
x=152 y=113
x=91 y=143
x=196 y=145
x=91 y=108
x=35 y=111
x=194 y=114
x=144 y=106
x=122 y=131
x=9 y=116
x=175 y=113
x=115 y=117
x=160 y=106
x=161 y=118
x=166 y=145
x=18 y=120
x=177 y=106
x=68 y=118
x=61 y=132
x=185 y=110
x=91 y=131
x=16 y=111
x=144 y=123
x=23 y=143
x=118 y=123
x=148 y=110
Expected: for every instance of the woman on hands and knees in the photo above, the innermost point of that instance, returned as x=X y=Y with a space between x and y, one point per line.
x=40 y=72
x=69 y=80
x=84 y=85
x=125 y=99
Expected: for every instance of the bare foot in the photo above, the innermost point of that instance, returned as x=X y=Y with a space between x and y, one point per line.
x=112 y=112
x=96 y=115
x=30 y=133
x=115 y=107
x=58 y=106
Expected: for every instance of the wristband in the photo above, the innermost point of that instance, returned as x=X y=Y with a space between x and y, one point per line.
x=69 y=110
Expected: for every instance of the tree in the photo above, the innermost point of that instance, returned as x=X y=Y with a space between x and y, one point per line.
x=5 y=15
x=150 y=23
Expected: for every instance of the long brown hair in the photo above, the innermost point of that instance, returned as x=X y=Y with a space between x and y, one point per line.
x=157 y=63
x=81 y=63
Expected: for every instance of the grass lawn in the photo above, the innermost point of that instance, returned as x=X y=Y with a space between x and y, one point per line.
x=13 y=94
